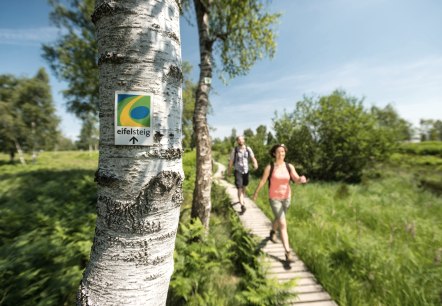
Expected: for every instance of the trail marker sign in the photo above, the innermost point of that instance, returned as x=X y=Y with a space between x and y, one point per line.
x=133 y=119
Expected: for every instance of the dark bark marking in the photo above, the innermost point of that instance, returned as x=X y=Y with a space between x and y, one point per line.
x=156 y=27
x=175 y=74
x=162 y=188
x=157 y=137
x=106 y=9
x=172 y=36
x=111 y=57
x=163 y=192
x=105 y=178
x=168 y=154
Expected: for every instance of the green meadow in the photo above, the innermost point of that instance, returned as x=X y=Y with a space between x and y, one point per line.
x=47 y=221
x=374 y=243
x=378 y=242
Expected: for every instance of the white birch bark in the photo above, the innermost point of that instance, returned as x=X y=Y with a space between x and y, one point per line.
x=201 y=205
x=139 y=188
x=20 y=152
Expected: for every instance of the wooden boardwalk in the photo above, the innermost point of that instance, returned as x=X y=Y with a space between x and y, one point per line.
x=309 y=292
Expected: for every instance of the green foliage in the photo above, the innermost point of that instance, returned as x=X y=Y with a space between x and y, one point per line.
x=256 y=289
x=27 y=113
x=422 y=148
x=223 y=267
x=263 y=292
x=333 y=137
x=424 y=161
x=430 y=130
x=47 y=214
x=241 y=32
x=376 y=243
x=189 y=90
x=89 y=134
x=73 y=57
x=245 y=32
x=394 y=126
x=199 y=262
x=47 y=218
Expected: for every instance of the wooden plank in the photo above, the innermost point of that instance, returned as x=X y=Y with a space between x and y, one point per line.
x=290 y=275
x=312 y=297
x=301 y=281
x=317 y=303
x=308 y=288
x=282 y=269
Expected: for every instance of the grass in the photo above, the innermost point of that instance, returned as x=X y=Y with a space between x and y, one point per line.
x=47 y=217
x=376 y=243
x=47 y=220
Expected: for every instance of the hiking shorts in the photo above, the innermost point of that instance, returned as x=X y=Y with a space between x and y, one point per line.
x=279 y=207
x=241 y=179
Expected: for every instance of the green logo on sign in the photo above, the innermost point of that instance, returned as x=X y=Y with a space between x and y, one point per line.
x=133 y=110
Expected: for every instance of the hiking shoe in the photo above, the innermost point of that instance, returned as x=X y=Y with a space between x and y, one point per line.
x=243 y=209
x=273 y=236
x=288 y=257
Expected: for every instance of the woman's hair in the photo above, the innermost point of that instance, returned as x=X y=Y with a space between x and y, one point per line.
x=275 y=147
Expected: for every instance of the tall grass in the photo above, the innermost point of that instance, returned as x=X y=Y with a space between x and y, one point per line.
x=376 y=243
x=47 y=219
x=222 y=267
x=47 y=215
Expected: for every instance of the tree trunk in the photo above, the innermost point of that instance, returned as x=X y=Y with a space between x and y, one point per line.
x=21 y=156
x=201 y=204
x=139 y=188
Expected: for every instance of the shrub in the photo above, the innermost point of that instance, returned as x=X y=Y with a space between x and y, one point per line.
x=333 y=137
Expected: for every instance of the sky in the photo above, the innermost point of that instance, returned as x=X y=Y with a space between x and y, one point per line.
x=382 y=51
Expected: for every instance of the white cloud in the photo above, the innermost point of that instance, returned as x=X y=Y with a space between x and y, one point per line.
x=29 y=36
x=414 y=88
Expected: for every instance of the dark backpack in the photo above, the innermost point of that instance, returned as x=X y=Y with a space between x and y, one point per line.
x=272 y=165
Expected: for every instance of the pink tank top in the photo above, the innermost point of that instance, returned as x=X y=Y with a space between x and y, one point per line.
x=280 y=183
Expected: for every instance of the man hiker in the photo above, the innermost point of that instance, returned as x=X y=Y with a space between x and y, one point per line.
x=239 y=159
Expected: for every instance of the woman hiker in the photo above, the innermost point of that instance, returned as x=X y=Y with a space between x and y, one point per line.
x=279 y=174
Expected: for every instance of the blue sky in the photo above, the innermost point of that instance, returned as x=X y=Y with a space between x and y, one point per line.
x=386 y=51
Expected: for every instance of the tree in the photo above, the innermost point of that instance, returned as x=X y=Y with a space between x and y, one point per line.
x=333 y=137
x=27 y=114
x=430 y=129
x=139 y=188
x=10 y=122
x=388 y=119
x=89 y=134
x=437 y=130
x=258 y=142
x=240 y=32
x=73 y=56
x=189 y=89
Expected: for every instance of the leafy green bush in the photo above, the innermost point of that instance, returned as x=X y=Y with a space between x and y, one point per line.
x=333 y=137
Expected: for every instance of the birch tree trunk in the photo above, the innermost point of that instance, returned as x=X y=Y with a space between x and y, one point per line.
x=201 y=204
x=139 y=188
x=20 y=152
